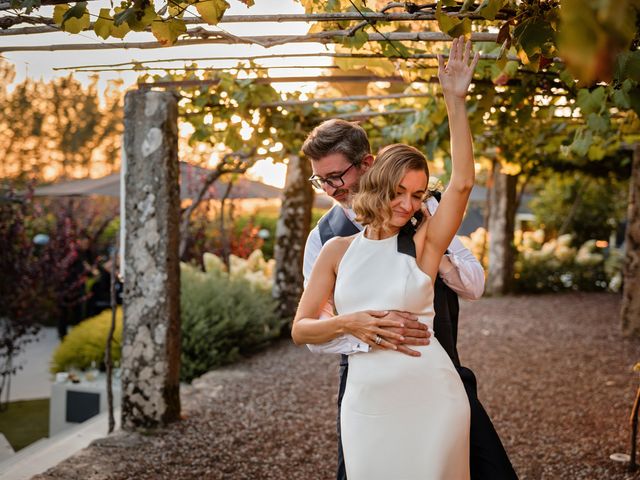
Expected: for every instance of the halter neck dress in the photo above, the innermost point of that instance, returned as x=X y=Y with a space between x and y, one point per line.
x=402 y=417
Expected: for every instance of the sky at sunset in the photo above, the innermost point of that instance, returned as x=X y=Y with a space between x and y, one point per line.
x=43 y=64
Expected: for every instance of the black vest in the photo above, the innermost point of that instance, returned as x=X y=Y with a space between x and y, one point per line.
x=335 y=223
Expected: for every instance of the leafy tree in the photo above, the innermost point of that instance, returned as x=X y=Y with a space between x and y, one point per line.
x=58 y=129
x=588 y=207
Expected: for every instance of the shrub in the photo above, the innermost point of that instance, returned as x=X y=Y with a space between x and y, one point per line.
x=85 y=344
x=222 y=319
x=555 y=265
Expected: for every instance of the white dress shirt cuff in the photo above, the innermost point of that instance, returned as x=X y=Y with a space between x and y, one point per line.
x=346 y=344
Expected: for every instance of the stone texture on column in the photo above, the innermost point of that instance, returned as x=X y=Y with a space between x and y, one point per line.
x=291 y=235
x=630 y=311
x=501 y=224
x=151 y=332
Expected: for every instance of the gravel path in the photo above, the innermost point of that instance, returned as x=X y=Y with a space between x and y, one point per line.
x=554 y=374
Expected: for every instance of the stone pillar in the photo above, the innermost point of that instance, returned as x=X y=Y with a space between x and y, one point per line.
x=151 y=333
x=630 y=311
x=291 y=235
x=502 y=212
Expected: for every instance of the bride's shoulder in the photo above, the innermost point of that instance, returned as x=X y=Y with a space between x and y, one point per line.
x=336 y=247
x=339 y=243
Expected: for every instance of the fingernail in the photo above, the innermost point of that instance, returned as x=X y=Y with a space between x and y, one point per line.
x=402 y=338
x=402 y=324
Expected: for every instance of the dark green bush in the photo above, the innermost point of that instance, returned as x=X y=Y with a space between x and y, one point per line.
x=222 y=320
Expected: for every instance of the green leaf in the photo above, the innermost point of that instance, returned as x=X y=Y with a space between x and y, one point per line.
x=104 y=24
x=467 y=5
x=74 y=19
x=634 y=99
x=627 y=66
x=598 y=123
x=463 y=28
x=582 y=142
x=567 y=78
x=167 y=32
x=27 y=5
x=489 y=8
x=58 y=13
x=621 y=99
x=591 y=102
x=449 y=25
x=119 y=30
x=533 y=35
x=212 y=11
x=142 y=19
x=357 y=40
x=123 y=15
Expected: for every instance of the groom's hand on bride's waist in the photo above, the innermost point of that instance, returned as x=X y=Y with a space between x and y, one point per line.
x=414 y=332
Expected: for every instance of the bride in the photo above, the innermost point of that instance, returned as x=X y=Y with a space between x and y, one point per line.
x=402 y=417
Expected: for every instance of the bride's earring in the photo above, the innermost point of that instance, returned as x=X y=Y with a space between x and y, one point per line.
x=414 y=221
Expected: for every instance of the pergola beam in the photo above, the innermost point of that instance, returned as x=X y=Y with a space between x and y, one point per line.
x=420 y=56
x=48 y=27
x=264 y=41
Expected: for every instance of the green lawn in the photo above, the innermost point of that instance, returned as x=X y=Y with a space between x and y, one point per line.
x=25 y=421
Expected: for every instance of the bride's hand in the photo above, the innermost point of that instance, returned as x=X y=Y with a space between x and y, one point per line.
x=455 y=77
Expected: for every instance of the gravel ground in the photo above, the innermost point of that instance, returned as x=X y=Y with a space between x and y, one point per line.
x=554 y=374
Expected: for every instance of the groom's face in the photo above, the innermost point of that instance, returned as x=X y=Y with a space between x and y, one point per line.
x=342 y=178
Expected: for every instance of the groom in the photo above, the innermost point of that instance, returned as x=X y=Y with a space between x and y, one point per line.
x=340 y=154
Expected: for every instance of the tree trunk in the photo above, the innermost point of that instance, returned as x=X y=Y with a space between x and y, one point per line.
x=501 y=224
x=291 y=234
x=630 y=311
x=151 y=332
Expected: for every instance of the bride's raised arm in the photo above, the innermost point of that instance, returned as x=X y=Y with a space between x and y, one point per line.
x=455 y=78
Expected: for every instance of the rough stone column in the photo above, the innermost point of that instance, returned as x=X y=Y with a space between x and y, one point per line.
x=502 y=214
x=630 y=311
x=291 y=235
x=151 y=334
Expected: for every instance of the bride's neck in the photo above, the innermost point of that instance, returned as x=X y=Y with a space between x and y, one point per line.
x=380 y=233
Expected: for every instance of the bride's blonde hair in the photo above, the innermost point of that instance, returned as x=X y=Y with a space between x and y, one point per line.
x=379 y=184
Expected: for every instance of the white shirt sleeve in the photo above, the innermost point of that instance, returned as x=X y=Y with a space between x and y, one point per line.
x=467 y=276
x=346 y=344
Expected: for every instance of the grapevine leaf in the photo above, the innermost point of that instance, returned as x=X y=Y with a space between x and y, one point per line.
x=167 y=32
x=490 y=8
x=591 y=102
x=74 y=19
x=142 y=18
x=104 y=24
x=212 y=11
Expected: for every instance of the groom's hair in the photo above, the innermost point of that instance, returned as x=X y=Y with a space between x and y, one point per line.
x=337 y=136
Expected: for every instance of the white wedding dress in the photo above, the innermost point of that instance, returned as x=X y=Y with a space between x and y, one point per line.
x=402 y=417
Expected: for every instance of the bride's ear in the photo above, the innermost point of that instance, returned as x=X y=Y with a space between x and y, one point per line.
x=367 y=161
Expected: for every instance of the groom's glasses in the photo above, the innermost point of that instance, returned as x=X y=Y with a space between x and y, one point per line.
x=334 y=181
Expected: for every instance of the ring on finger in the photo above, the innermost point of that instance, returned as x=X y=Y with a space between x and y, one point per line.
x=378 y=339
